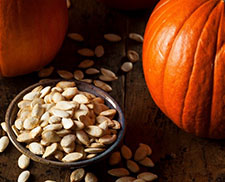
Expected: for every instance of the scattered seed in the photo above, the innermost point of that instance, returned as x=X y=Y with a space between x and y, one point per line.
x=86 y=63
x=139 y=180
x=86 y=52
x=112 y=37
x=65 y=74
x=102 y=85
x=133 y=56
x=68 y=3
x=45 y=72
x=136 y=37
x=90 y=177
x=3 y=125
x=23 y=161
x=108 y=73
x=76 y=37
x=125 y=179
x=147 y=176
x=77 y=175
x=126 y=152
x=115 y=158
x=4 y=142
x=91 y=71
x=132 y=166
x=106 y=78
x=71 y=157
x=87 y=80
x=23 y=177
x=118 y=172
x=99 y=51
x=140 y=153
x=147 y=162
x=78 y=75
x=127 y=66
x=147 y=147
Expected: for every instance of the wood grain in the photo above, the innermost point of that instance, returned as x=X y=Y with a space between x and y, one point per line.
x=178 y=156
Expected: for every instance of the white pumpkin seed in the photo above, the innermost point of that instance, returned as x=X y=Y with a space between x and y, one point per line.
x=67 y=123
x=107 y=139
x=76 y=36
x=57 y=97
x=97 y=145
x=110 y=113
x=137 y=37
x=63 y=132
x=4 y=142
x=126 y=152
x=82 y=137
x=50 y=136
x=92 y=71
x=79 y=125
x=86 y=63
x=147 y=176
x=118 y=172
x=60 y=113
x=36 y=132
x=74 y=156
x=89 y=156
x=30 y=123
x=3 y=125
x=45 y=91
x=125 y=179
x=31 y=96
x=127 y=66
x=58 y=155
x=65 y=74
x=93 y=150
x=24 y=103
x=112 y=37
x=53 y=127
x=67 y=140
x=65 y=84
x=99 y=51
x=79 y=113
x=90 y=177
x=70 y=148
x=37 y=111
x=133 y=56
x=94 y=131
x=50 y=150
x=24 y=137
x=45 y=72
x=81 y=99
x=77 y=175
x=50 y=181
x=133 y=166
x=78 y=75
x=36 y=148
x=147 y=162
x=115 y=158
x=54 y=119
x=23 y=161
x=23 y=177
x=140 y=153
x=56 y=89
x=86 y=52
x=37 y=89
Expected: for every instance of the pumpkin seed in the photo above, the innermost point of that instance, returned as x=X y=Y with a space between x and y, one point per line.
x=50 y=150
x=56 y=89
x=117 y=125
x=24 y=137
x=23 y=177
x=69 y=149
x=104 y=126
x=139 y=180
x=70 y=92
x=30 y=123
x=63 y=132
x=102 y=85
x=67 y=140
x=3 y=125
x=97 y=145
x=147 y=176
x=126 y=152
x=87 y=80
x=23 y=161
x=86 y=63
x=58 y=155
x=4 y=142
x=52 y=127
x=110 y=113
x=86 y=52
x=90 y=177
x=45 y=91
x=67 y=123
x=54 y=119
x=50 y=181
x=99 y=107
x=107 y=139
x=106 y=78
x=91 y=71
x=24 y=103
x=76 y=36
x=140 y=153
x=65 y=74
x=99 y=51
x=65 y=84
x=108 y=73
x=133 y=56
x=79 y=125
x=112 y=37
x=115 y=158
x=94 y=131
x=89 y=156
x=81 y=99
x=36 y=148
x=31 y=96
x=77 y=175
x=79 y=113
x=36 y=132
x=118 y=172
x=68 y=3
x=125 y=179
x=147 y=162
x=137 y=37
x=86 y=120
x=93 y=150
x=56 y=97
x=37 y=111
x=60 y=113
x=45 y=72
x=132 y=166
x=50 y=136
x=127 y=66
x=147 y=147
x=78 y=75
x=71 y=157
x=82 y=137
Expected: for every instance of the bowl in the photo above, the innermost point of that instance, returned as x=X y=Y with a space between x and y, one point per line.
x=109 y=101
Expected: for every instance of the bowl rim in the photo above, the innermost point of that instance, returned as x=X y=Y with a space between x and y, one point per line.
x=82 y=163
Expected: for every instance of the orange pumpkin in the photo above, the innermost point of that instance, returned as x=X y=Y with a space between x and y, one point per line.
x=184 y=63
x=31 y=33
x=130 y=4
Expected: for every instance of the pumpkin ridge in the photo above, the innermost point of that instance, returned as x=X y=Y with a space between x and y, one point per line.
x=191 y=75
x=167 y=56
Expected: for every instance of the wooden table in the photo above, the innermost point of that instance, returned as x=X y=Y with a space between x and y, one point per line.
x=178 y=156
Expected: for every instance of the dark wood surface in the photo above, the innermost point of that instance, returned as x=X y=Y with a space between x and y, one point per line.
x=178 y=156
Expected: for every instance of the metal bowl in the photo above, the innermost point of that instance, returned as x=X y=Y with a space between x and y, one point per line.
x=109 y=101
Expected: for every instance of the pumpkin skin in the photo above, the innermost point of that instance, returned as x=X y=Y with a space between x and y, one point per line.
x=184 y=64
x=31 y=33
x=130 y=4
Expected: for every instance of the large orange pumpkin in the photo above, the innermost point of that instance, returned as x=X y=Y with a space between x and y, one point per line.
x=31 y=33
x=130 y=4
x=184 y=63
